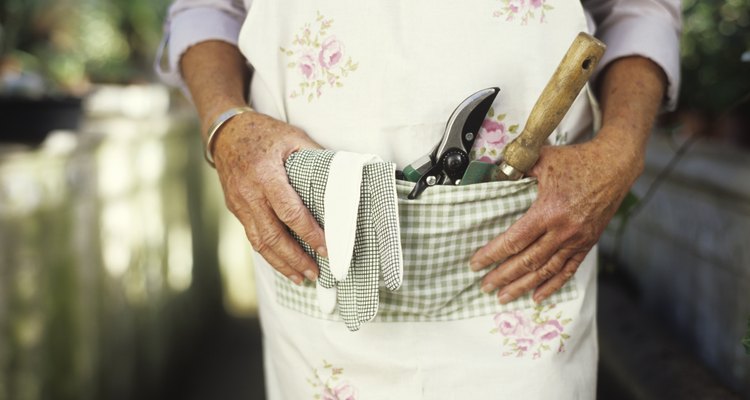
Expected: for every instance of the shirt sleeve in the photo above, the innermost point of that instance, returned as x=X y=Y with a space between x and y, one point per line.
x=190 y=22
x=647 y=28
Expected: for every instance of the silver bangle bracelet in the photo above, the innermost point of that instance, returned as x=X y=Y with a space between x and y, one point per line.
x=214 y=130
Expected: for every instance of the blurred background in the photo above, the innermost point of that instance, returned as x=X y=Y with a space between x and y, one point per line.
x=123 y=277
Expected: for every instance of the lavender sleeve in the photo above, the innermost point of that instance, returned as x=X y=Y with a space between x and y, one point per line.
x=190 y=22
x=647 y=28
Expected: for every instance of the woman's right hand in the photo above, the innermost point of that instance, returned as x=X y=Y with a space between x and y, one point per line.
x=250 y=153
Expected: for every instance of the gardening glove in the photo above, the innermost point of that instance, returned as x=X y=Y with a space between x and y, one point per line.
x=353 y=197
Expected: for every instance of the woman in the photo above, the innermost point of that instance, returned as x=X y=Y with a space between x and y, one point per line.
x=382 y=78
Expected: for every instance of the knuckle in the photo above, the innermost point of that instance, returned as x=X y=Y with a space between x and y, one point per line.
x=247 y=194
x=264 y=180
x=568 y=274
x=240 y=202
x=572 y=230
x=507 y=247
x=268 y=240
x=232 y=204
x=254 y=240
x=578 y=258
x=252 y=236
x=545 y=273
x=299 y=261
x=498 y=279
x=261 y=247
x=292 y=216
x=528 y=264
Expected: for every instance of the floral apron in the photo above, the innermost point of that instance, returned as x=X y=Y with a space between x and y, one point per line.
x=382 y=78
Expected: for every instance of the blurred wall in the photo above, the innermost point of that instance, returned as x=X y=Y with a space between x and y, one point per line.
x=688 y=251
x=108 y=262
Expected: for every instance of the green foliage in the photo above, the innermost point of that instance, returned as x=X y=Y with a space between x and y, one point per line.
x=72 y=42
x=716 y=33
x=627 y=205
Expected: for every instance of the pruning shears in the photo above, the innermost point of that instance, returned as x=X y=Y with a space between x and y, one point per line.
x=447 y=162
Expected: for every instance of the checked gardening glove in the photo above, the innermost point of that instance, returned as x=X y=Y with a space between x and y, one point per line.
x=353 y=197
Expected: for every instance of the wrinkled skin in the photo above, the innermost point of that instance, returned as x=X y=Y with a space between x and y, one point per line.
x=580 y=188
x=250 y=156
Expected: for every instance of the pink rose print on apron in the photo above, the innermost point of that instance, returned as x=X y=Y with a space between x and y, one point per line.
x=494 y=134
x=329 y=384
x=523 y=10
x=319 y=58
x=531 y=332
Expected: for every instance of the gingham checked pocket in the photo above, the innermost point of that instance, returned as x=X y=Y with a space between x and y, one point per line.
x=439 y=232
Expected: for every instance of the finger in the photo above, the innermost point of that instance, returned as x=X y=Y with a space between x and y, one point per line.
x=289 y=208
x=285 y=254
x=556 y=282
x=528 y=261
x=532 y=279
x=519 y=236
x=280 y=265
x=269 y=237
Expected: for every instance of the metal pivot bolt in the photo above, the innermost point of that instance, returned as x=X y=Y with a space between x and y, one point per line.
x=431 y=180
x=454 y=162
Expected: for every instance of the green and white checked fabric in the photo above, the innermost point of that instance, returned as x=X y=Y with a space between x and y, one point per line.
x=308 y=174
x=439 y=232
x=376 y=250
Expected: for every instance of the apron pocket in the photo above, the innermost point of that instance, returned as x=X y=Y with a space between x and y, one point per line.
x=440 y=231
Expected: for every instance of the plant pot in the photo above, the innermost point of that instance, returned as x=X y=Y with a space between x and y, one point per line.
x=29 y=121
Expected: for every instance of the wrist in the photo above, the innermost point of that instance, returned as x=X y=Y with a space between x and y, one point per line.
x=624 y=150
x=632 y=89
x=210 y=114
x=215 y=129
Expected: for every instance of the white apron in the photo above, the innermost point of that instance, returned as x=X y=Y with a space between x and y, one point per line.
x=382 y=78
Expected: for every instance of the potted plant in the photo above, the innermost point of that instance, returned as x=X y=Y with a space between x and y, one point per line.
x=52 y=50
x=40 y=84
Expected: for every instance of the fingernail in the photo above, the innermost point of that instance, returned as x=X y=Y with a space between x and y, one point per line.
x=309 y=274
x=473 y=266
x=505 y=298
x=323 y=251
x=296 y=279
x=538 y=299
x=487 y=288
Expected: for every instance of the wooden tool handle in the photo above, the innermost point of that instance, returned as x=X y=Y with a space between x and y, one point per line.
x=574 y=71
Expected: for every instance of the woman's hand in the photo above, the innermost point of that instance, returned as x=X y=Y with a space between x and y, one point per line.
x=580 y=188
x=250 y=152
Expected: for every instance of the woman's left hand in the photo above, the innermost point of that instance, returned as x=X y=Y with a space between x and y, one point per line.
x=580 y=188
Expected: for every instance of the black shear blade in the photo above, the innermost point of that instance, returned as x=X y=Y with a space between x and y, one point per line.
x=465 y=121
x=450 y=158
